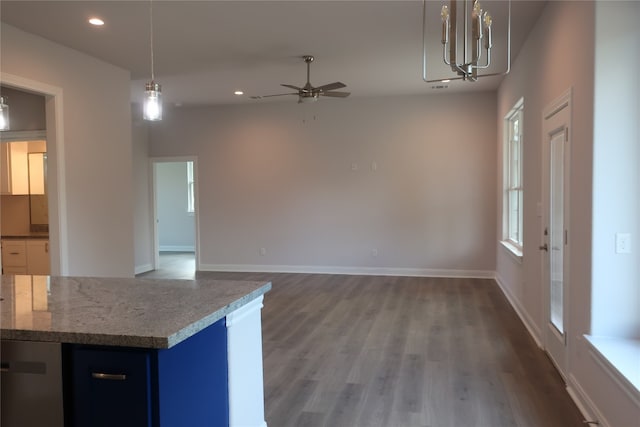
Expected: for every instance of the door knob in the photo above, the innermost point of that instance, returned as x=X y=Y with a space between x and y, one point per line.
x=544 y=248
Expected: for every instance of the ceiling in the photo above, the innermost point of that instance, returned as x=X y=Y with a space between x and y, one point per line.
x=205 y=50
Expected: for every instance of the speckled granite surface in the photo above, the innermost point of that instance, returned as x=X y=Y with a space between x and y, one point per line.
x=149 y=313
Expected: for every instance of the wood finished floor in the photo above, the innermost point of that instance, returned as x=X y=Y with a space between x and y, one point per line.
x=360 y=351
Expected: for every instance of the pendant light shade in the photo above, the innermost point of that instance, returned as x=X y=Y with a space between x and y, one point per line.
x=152 y=104
x=4 y=113
x=152 y=101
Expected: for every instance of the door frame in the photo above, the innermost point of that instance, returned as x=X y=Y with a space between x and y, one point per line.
x=556 y=116
x=155 y=246
x=56 y=182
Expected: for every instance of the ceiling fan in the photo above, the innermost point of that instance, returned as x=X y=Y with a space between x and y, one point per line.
x=309 y=93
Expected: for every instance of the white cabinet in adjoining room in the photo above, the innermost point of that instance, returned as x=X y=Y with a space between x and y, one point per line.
x=15 y=168
x=26 y=256
x=38 y=257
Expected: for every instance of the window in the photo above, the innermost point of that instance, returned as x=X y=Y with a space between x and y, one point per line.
x=190 y=189
x=512 y=199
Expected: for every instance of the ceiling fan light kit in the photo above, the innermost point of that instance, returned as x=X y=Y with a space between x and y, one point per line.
x=309 y=93
x=471 y=61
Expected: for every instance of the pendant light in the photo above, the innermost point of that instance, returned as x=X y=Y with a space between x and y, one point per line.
x=4 y=113
x=152 y=108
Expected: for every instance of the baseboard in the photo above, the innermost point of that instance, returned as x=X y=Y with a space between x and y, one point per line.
x=177 y=248
x=139 y=269
x=360 y=271
x=531 y=326
x=584 y=403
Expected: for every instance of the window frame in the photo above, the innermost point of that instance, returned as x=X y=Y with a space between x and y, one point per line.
x=513 y=192
x=191 y=206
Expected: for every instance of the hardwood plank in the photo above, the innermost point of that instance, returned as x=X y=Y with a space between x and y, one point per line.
x=366 y=351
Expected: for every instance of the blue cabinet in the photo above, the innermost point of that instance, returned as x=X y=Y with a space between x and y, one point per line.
x=186 y=385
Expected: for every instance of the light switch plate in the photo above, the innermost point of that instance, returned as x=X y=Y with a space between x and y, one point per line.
x=623 y=243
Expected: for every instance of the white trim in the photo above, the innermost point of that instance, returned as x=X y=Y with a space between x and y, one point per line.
x=245 y=366
x=630 y=352
x=513 y=250
x=139 y=269
x=361 y=271
x=528 y=322
x=585 y=405
x=177 y=248
x=237 y=316
x=62 y=245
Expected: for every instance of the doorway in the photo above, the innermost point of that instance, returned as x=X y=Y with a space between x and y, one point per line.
x=57 y=245
x=175 y=217
x=556 y=156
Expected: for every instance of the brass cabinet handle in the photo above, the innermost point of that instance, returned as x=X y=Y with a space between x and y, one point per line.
x=112 y=377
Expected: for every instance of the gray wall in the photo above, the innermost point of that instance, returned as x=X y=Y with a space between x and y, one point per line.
x=143 y=227
x=91 y=203
x=26 y=110
x=279 y=176
x=561 y=43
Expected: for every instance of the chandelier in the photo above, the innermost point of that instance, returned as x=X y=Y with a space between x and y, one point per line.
x=475 y=56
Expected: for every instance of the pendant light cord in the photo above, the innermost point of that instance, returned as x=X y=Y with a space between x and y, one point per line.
x=151 y=36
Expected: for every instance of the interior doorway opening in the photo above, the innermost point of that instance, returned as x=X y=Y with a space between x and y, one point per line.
x=175 y=217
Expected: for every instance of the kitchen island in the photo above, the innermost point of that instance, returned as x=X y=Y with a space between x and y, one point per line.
x=140 y=352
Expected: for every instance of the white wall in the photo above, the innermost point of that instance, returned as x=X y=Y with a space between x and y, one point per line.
x=96 y=130
x=279 y=176
x=176 y=226
x=143 y=228
x=616 y=171
x=558 y=55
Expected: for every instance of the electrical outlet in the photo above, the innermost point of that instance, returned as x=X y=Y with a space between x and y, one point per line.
x=623 y=243
x=263 y=251
x=354 y=167
x=374 y=252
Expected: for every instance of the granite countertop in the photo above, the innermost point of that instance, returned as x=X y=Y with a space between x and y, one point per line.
x=148 y=313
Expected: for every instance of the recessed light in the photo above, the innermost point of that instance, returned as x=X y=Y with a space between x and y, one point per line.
x=238 y=92
x=96 y=21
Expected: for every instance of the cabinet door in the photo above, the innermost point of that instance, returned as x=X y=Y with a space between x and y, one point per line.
x=38 y=257
x=17 y=180
x=5 y=168
x=111 y=388
x=14 y=253
x=31 y=384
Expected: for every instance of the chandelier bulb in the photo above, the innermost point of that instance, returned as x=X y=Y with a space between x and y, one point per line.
x=487 y=19
x=444 y=13
x=477 y=9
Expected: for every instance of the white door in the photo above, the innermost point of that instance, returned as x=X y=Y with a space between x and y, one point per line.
x=555 y=242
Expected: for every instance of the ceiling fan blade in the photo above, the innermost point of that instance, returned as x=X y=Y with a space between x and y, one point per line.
x=269 y=96
x=331 y=86
x=292 y=87
x=336 y=94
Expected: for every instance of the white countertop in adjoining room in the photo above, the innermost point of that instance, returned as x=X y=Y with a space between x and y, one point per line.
x=148 y=313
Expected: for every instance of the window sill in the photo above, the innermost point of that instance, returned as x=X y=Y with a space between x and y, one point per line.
x=619 y=357
x=514 y=251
